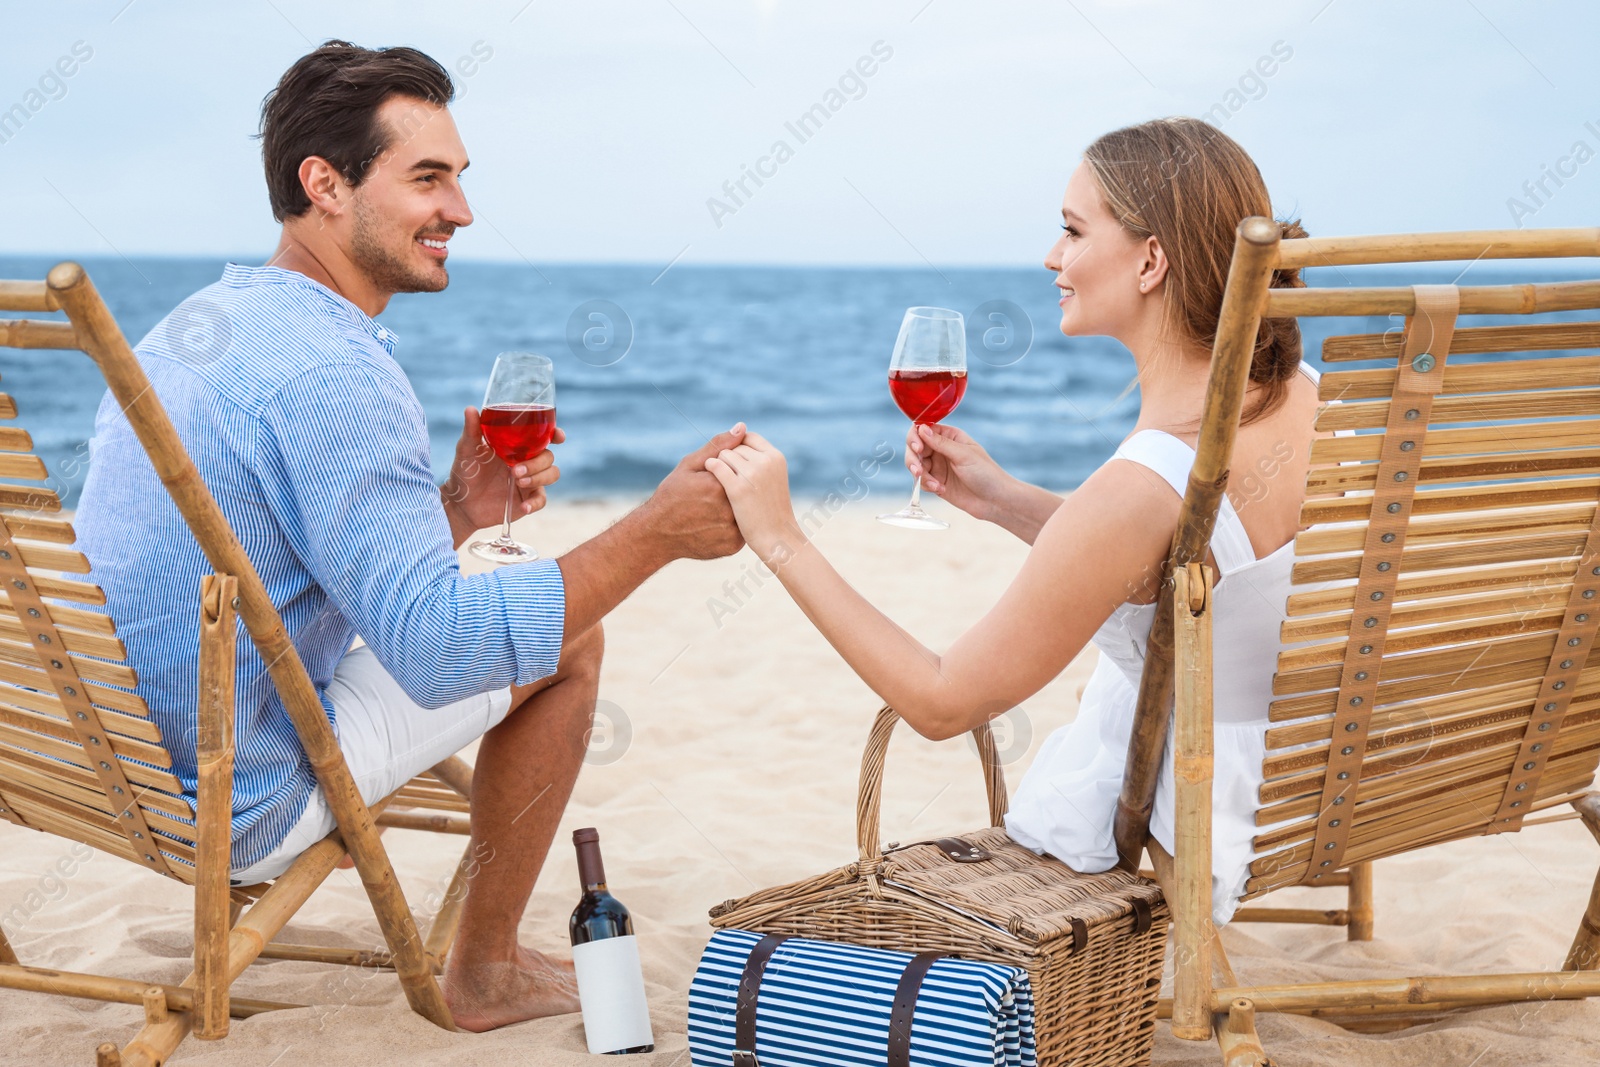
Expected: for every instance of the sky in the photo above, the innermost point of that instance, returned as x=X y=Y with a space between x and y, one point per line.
x=613 y=131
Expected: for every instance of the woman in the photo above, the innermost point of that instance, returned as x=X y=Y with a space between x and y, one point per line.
x=1148 y=231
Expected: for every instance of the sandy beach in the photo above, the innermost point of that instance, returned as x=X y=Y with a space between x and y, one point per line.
x=727 y=760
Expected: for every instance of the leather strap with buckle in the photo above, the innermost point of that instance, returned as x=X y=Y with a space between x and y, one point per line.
x=744 y=1018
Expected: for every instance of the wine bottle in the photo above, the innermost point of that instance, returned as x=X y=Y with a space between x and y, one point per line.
x=616 y=1019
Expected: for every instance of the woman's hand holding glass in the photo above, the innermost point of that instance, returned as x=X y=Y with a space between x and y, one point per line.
x=957 y=469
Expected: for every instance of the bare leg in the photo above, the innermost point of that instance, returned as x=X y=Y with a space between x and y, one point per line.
x=524 y=774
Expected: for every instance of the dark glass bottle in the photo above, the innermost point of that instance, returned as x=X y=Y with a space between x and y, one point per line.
x=610 y=981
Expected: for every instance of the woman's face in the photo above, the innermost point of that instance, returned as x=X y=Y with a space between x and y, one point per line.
x=1099 y=265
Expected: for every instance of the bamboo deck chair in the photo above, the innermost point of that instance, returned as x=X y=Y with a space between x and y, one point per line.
x=1436 y=682
x=80 y=758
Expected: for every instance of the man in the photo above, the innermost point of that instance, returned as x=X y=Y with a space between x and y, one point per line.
x=285 y=392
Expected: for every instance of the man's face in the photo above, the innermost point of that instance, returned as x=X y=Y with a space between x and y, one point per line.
x=411 y=202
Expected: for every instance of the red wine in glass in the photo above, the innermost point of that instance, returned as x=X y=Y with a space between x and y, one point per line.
x=518 y=432
x=927 y=395
x=517 y=421
x=927 y=378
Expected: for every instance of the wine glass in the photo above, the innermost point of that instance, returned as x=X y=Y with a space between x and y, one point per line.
x=518 y=420
x=927 y=377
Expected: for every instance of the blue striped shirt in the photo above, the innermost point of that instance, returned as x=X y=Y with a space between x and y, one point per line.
x=311 y=439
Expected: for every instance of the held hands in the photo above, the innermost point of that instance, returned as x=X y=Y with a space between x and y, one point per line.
x=475 y=493
x=689 y=513
x=755 y=476
x=956 y=468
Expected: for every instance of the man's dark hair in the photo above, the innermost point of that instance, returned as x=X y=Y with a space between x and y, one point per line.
x=327 y=105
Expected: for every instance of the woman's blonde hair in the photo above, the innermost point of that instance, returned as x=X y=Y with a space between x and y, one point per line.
x=1188 y=185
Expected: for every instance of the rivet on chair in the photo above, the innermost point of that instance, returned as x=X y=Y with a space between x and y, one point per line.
x=1333 y=822
x=1543 y=727
x=1366 y=650
x=1370 y=621
x=138 y=835
x=1566 y=664
x=1550 y=707
x=1337 y=801
x=81 y=715
x=1329 y=846
x=1423 y=363
x=1413 y=413
x=1352 y=727
x=1388 y=538
x=94 y=740
x=1355 y=702
x=1595 y=571
x=33 y=612
x=71 y=692
x=4 y=554
x=1394 y=509
x=1521 y=786
x=1575 y=642
x=1516 y=803
x=1385 y=565
x=56 y=664
x=127 y=815
x=234 y=603
x=1361 y=676
x=1377 y=594
x=104 y=766
x=1536 y=748
x=44 y=639
x=19 y=583
x=1530 y=765
x=149 y=857
x=1581 y=617
x=1559 y=685
x=1588 y=594
x=117 y=789
x=1407 y=446
x=1400 y=476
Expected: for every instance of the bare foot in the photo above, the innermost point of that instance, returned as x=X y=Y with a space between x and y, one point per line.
x=483 y=996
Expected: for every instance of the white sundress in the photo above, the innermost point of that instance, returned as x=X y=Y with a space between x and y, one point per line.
x=1066 y=802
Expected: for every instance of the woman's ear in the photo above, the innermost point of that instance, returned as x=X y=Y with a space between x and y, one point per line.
x=1153 y=266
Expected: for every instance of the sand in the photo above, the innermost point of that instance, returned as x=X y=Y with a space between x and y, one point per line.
x=731 y=765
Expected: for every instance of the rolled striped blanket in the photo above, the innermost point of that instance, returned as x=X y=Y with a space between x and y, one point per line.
x=823 y=1004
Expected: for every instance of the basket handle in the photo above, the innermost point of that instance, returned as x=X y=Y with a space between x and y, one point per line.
x=870 y=798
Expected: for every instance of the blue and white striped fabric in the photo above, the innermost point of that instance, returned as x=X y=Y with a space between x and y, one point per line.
x=824 y=1004
x=308 y=434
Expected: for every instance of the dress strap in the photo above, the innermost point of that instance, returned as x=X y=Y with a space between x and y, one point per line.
x=1172 y=458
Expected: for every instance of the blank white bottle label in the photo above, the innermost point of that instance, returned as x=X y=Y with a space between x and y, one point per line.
x=611 y=990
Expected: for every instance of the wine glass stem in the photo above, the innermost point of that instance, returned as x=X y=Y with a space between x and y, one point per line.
x=916 y=493
x=511 y=495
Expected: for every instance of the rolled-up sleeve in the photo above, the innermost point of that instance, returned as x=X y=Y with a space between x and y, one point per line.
x=342 y=459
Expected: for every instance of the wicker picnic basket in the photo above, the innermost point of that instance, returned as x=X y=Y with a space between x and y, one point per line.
x=1092 y=944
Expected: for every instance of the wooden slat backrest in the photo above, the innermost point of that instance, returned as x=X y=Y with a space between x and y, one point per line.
x=80 y=756
x=1477 y=704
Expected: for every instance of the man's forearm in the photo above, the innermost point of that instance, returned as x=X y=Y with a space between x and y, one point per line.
x=601 y=573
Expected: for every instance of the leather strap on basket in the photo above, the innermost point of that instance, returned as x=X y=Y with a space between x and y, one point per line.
x=34 y=617
x=1573 y=642
x=1421 y=373
x=905 y=1007
x=744 y=1017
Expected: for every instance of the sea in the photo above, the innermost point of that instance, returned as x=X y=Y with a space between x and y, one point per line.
x=650 y=361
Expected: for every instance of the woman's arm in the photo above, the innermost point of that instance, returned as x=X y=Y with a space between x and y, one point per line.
x=962 y=473
x=1077 y=573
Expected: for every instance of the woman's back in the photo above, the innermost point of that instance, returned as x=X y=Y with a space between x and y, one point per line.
x=1065 y=803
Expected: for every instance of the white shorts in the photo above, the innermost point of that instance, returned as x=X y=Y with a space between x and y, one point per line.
x=387 y=739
